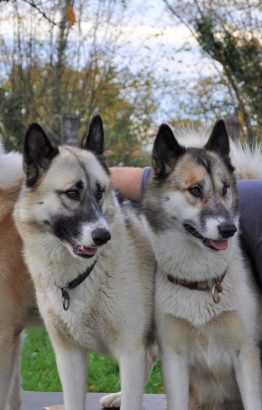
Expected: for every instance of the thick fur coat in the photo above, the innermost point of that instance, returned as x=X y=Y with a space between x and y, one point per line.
x=72 y=228
x=208 y=336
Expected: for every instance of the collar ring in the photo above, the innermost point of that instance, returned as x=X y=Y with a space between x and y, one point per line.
x=216 y=292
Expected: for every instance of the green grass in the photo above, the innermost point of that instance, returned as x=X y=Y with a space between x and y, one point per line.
x=39 y=369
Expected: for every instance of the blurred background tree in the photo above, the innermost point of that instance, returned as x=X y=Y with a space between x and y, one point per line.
x=52 y=69
x=229 y=32
x=61 y=61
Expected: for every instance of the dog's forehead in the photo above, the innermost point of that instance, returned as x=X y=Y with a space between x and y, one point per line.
x=74 y=164
x=199 y=165
x=188 y=172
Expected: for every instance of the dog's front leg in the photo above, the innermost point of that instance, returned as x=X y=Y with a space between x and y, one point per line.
x=176 y=378
x=72 y=368
x=249 y=377
x=132 y=375
x=71 y=363
x=114 y=399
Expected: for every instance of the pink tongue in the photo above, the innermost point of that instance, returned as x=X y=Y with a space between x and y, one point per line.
x=88 y=251
x=219 y=245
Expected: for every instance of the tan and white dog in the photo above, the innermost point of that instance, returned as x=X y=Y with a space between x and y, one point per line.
x=208 y=310
x=91 y=263
x=17 y=301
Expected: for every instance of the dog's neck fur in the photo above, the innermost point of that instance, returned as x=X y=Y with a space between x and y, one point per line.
x=184 y=259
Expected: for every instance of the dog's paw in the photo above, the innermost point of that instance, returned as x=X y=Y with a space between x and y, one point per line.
x=111 y=401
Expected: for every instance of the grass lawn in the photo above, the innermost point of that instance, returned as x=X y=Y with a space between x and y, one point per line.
x=39 y=370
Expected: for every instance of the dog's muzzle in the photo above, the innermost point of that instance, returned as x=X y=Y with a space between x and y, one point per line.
x=226 y=230
x=100 y=236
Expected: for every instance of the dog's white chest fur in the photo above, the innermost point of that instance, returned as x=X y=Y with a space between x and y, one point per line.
x=208 y=335
x=97 y=313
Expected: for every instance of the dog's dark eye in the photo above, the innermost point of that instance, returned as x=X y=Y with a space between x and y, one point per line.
x=73 y=194
x=99 y=192
x=225 y=188
x=196 y=191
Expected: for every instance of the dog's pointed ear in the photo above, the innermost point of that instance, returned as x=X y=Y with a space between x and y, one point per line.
x=94 y=141
x=166 y=151
x=38 y=153
x=218 y=141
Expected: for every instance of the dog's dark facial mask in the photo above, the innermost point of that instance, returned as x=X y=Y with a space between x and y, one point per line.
x=193 y=189
x=69 y=186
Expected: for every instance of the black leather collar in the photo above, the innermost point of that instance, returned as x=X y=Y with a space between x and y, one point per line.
x=73 y=284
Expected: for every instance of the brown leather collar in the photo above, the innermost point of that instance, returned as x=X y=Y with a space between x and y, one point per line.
x=210 y=284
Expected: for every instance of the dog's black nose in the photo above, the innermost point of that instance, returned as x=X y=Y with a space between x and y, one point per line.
x=227 y=230
x=100 y=236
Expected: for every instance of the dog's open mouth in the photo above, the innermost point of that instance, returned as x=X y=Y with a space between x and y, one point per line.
x=210 y=243
x=84 y=251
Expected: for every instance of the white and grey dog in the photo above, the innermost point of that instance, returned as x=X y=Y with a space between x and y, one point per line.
x=91 y=263
x=208 y=310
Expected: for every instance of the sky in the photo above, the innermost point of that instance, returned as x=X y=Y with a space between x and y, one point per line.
x=155 y=39
x=151 y=39
x=150 y=35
